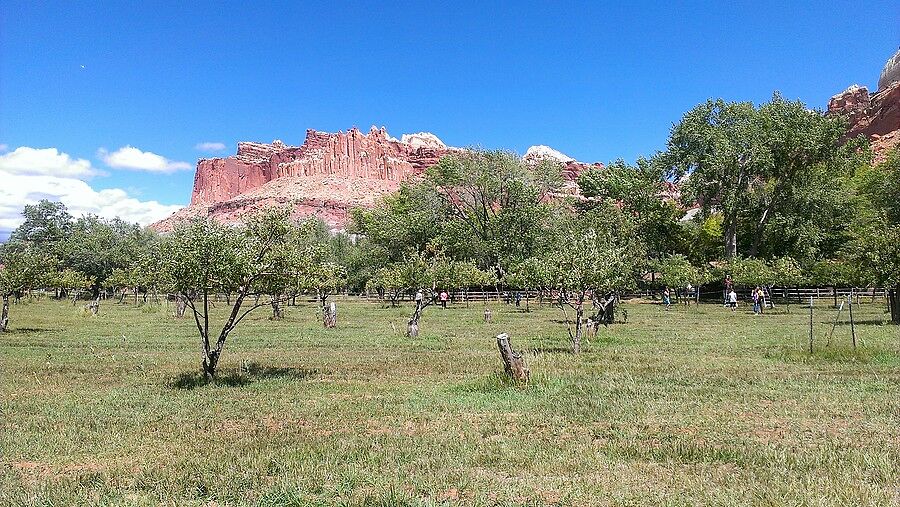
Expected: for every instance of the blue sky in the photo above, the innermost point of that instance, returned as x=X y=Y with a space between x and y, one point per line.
x=597 y=81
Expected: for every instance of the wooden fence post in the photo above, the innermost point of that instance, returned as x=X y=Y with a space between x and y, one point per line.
x=810 y=325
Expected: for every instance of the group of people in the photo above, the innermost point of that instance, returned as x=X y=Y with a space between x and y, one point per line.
x=757 y=295
x=667 y=295
x=731 y=297
x=443 y=297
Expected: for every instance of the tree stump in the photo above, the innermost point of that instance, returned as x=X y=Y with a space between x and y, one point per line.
x=277 y=312
x=329 y=318
x=180 y=306
x=4 y=314
x=513 y=362
x=412 y=327
x=488 y=315
x=591 y=326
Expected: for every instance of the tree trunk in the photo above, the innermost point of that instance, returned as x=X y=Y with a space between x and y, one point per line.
x=579 y=329
x=412 y=327
x=731 y=239
x=277 y=312
x=180 y=306
x=834 y=293
x=513 y=362
x=4 y=314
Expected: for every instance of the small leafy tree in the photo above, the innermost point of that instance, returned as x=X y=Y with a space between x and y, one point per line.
x=677 y=272
x=532 y=273
x=204 y=258
x=74 y=283
x=21 y=268
x=324 y=278
x=388 y=280
x=594 y=258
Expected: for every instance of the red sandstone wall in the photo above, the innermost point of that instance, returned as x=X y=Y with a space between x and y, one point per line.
x=351 y=155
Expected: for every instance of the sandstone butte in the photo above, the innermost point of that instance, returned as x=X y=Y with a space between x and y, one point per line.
x=325 y=177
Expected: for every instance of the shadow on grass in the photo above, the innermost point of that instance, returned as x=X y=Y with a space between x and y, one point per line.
x=27 y=330
x=837 y=353
x=241 y=377
x=866 y=322
x=551 y=350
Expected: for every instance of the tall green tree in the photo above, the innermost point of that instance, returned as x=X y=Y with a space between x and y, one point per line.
x=763 y=170
x=876 y=248
x=46 y=225
x=498 y=210
x=642 y=191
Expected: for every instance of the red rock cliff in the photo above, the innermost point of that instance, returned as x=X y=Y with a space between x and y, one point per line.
x=325 y=177
x=352 y=154
x=875 y=115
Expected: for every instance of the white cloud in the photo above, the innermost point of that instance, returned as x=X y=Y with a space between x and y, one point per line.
x=48 y=161
x=129 y=157
x=210 y=147
x=22 y=184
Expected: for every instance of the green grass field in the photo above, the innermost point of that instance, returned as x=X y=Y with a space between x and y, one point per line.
x=694 y=406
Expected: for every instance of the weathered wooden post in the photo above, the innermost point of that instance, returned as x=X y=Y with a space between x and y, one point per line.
x=513 y=362
x=180 y=305
x=4 y=314
x=331 y=315
x=94 y=306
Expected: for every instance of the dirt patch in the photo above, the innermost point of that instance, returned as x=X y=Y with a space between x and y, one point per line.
x=32 y=471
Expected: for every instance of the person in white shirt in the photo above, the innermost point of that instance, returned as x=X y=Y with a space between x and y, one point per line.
x=732 y=300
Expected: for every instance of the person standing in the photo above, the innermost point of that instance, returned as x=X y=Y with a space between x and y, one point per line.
x=729 y=287
x=755 y=295
x=667 y=298
x=732 y=299
x=444 y=297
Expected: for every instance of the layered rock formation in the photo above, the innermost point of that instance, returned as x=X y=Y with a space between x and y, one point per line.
x=350 y=155
x=874 y=115
x=325 y=177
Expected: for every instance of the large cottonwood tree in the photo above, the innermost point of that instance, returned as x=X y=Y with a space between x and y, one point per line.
x=765 y=169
